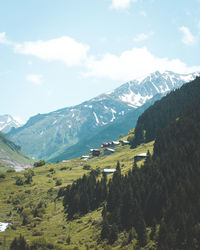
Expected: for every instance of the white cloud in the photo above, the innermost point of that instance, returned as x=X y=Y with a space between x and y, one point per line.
x=3 y=39
x=36 y=79
x=64 y=49
x=121 y=4
x=142 y=37
x=132 y=64
x=128 y=65
x=188 y=38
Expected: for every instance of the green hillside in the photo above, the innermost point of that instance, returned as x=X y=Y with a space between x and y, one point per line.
x=160 y=115
x=11 y=154
x=149 y=204
x=18 y=203
x=162 y=197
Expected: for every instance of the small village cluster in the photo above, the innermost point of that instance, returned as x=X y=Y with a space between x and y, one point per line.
x=108 y=150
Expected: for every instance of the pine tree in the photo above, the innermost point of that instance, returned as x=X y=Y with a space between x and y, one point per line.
x=19 y=244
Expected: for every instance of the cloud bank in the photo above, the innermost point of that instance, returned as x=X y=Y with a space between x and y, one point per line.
x=121 y=4
x=128 y=65
x=133 y=63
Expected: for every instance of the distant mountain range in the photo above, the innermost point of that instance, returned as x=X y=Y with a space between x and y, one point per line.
x=69 y=132
x=7 y=122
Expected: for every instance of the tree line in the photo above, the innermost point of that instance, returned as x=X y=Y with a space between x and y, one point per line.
x=163 y=112
x=163 y=193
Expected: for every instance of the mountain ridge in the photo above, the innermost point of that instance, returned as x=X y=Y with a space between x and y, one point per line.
x=45 y=134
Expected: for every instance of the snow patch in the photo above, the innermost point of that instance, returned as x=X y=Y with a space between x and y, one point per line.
x=9 y=119
x=113 y=111
x=95 y=115
x=135 y=100
x=109 y=92
x=187 y=78
x=104 y=123
x=113 y=116
x=155 y=86
x=54 y=122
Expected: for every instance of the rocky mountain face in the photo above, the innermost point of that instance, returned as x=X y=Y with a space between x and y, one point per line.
x=45 y=134
x=138 y=91
x=7 y=122
x=50 y=135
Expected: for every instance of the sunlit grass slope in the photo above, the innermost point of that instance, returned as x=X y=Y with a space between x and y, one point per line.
x=19 y=202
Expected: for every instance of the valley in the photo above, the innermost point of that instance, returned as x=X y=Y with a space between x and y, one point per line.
x=100 y=125
x=69 y=132
x=74 y=204
x=52 y=223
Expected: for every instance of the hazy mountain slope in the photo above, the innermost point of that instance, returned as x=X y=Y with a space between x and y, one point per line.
x=104 y=134
x=164 y=111
x=49 y=135
x=45 y=134
x=7 y=122
x=11 y=154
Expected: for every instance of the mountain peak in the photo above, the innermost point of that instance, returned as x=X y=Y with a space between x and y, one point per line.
x=7 y=122
x=138 y=91
x=62 y=130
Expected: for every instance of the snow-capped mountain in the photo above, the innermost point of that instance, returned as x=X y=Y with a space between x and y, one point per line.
x=138 y=91
x=7 y=122
x=48 y=135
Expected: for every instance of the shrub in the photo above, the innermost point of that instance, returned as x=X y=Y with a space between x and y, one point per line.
x=2 y=176
x=58 y=182
x=86 y=167
x=96 y=172
x=19 y=243
x=37 y=233
x=52 y=170
x=10 y=170
x=28 y=175
x=39 y=163
x=19 y=181
x=63 y=168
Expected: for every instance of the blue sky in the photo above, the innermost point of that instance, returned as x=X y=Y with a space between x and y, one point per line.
x=58 y=53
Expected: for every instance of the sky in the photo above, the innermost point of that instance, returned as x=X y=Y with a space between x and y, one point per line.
x=59 y=53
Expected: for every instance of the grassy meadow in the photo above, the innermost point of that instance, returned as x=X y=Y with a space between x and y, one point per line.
x=33 y=210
